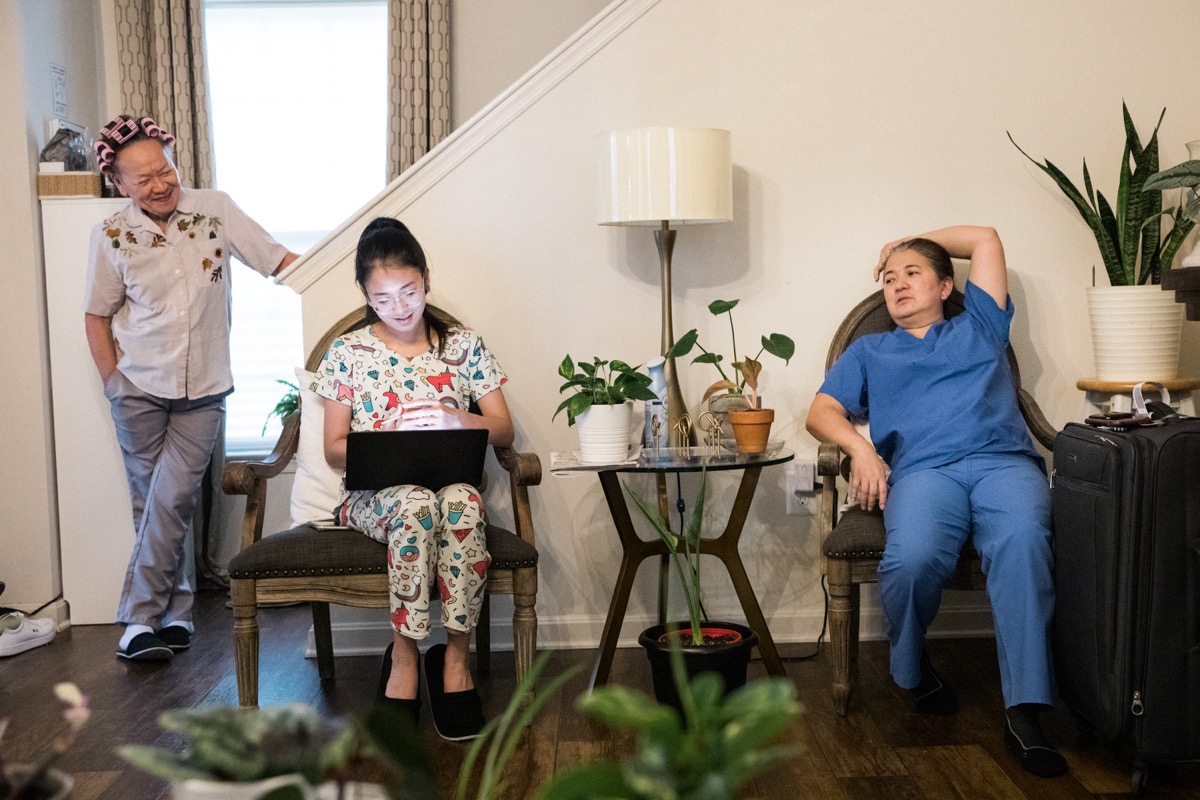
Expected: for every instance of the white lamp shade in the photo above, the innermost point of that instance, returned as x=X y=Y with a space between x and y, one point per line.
x=678 y=175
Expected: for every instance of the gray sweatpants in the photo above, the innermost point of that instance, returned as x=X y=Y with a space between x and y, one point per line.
x=167 y=445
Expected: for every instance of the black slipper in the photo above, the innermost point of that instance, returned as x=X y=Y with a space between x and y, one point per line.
x=457 y=716
x=175 y=637
x=933 y=695
x=410 y=708
x=1024 y=737
x=146 y=647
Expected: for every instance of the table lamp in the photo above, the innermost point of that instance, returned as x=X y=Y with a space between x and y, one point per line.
x=660 y=176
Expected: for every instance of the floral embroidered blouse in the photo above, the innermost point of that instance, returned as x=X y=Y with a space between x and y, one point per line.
x=168 y=292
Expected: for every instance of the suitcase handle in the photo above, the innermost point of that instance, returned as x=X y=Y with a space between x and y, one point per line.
x=1154 y=410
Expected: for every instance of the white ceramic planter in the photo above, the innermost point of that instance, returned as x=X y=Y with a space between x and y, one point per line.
x=604 y=433
x=231 y=790
x=1135 y=332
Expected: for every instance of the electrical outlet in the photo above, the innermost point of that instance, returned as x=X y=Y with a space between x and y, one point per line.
x=800 y=488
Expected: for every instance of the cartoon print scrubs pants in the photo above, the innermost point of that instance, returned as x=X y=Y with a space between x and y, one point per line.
x=434 y=539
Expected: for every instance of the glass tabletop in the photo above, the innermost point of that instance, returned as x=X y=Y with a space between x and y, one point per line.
x=694 y=459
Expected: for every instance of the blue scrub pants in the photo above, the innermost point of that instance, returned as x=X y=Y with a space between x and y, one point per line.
x=1003 y=502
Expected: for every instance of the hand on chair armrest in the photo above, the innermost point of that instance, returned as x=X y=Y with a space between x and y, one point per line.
x=241 y=476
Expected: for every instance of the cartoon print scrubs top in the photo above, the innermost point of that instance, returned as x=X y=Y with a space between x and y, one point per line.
x=935 y=400
x=362 y=372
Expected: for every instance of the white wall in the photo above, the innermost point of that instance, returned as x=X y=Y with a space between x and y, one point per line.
x=494 y=42
x=849 y=130
x=33 y=35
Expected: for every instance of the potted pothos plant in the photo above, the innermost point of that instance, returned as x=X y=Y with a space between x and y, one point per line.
x=708 y=646
x=601 y=401
x=1135 y=249
x=737 y=396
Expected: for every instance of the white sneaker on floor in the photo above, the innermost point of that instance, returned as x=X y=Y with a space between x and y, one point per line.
x=18 y=633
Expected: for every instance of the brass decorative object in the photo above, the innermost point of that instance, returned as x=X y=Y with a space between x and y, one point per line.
x=710 y=425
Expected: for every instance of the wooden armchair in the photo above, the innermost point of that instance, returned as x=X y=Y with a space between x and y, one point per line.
x=349 y=568
x=852 y=542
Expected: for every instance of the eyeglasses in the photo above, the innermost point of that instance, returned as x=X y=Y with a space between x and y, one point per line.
x=408 y=298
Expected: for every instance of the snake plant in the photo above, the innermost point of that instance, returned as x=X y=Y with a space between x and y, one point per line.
x=1129 y=233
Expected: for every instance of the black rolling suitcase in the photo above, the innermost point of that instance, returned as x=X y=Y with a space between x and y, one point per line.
x=1127 y=579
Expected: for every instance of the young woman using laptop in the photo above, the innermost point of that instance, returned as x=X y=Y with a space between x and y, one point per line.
x=408 y=370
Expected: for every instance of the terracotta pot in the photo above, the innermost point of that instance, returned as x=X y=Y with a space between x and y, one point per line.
x=728 y=657
x=752 y=428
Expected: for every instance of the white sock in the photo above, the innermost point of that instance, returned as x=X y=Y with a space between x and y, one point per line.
x=132 y=631
x=187 y=625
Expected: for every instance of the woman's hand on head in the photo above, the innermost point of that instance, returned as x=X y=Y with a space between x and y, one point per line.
x=884 y=254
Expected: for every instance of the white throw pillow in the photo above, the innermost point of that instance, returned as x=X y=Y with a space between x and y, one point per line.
x=317 y=487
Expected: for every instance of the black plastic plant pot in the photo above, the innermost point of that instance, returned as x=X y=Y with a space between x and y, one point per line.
x=727 y=654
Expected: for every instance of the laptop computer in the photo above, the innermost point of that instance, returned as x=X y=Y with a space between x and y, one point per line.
x=433 y=459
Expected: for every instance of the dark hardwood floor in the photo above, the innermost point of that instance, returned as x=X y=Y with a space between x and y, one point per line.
x=881 y=750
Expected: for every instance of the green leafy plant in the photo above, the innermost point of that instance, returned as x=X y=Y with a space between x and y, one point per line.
x=600 y=383
x=711 y=752
x=408 y=768
x=287 y=404
x=1129 y=234
x=685 y=549
x=29 y=784
x=747 y=369
x=249 y=744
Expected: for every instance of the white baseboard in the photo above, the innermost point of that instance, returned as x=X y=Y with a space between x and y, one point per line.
x=370 y=637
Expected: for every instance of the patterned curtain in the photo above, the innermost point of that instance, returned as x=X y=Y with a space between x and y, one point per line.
x=161 y=50
x=418 y=80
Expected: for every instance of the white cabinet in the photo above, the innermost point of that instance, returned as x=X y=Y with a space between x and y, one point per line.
x=94 y=515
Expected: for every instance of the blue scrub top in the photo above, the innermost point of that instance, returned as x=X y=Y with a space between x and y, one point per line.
x=936 y=399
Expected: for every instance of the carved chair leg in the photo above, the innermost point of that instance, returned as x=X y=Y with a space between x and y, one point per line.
x=245 y=640
x=855 y=618
x=323 y=638
x=524 y=620
x=840 y=606
x=483 y=637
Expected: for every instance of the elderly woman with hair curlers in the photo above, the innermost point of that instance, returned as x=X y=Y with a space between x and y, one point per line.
x=156 y=316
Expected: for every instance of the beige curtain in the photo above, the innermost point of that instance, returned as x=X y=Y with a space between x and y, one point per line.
x=418 y=80
x=161 y=46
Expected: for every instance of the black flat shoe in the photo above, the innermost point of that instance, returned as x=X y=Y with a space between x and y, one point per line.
x=411 y=708
x=457 y=716
x=933 y=695
x=1027 y=742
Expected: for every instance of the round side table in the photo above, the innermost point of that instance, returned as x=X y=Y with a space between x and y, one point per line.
x=1105 y=396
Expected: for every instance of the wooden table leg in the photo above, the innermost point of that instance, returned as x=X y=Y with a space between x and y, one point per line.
x=725 y=547
x=633 y=551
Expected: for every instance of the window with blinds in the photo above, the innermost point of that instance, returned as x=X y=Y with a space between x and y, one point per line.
x=298 y=91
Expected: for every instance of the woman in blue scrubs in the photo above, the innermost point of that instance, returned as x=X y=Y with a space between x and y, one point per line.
x=950 y=457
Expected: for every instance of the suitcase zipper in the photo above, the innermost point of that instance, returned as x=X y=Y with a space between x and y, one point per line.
x=1136 y=707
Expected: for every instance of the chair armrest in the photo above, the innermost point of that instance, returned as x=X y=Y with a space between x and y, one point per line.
x=524 y=469
x=829 y=459
x=1036 y=420
x=243 y=476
